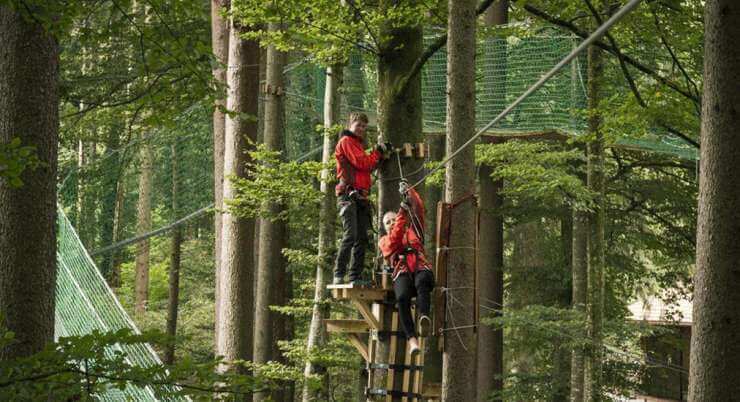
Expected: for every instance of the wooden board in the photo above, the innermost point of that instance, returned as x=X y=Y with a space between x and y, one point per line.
x=361 y=347
x=392 y=355
x=432 y=391
x=367 y=313
x=348 y=291
x=347 y=326
x=440 y=268
x=419 y=374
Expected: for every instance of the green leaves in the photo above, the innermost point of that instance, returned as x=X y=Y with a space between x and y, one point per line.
x=15 y=159
x=270 y=181
x=537 y=171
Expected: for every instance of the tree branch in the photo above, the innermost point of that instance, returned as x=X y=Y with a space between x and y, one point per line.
x=431 y=49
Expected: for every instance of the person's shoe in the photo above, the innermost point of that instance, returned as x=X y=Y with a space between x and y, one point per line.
x=338 y=280
x=413 y=346
x=359 y=283
x=425 y=326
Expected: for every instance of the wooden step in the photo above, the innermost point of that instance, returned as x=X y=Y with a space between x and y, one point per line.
x=432 y=391
x=347 y=326
x=349 y=291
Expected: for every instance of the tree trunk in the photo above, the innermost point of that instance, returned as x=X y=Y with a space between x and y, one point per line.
x=220 y=46
x=236 y=294
x=109 y=201
x=491 y=254
x=327 y=219
x=143 y=225
x=460 y=353
x=561 y=357
x=173 y=297
x=715 y=342
x=580 y=274
x=115 y=257
x=399 y=121
x=596 y=255
x=271 y=277
x=29 y=104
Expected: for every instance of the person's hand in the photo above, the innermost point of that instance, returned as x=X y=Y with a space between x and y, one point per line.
x=382 y=148
x=403 y=188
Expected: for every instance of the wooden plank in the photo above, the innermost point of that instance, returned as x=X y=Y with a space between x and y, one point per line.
x=348 y=291
x=440 y=268
x=361 y=347
x=419 y=374
x=347 y=326
x=432 y=390
x=367 y=313
x=408 y=150
x=392 y=355
x=372 y=345
x=421 y=150
x=476 y=293
x=405 y=387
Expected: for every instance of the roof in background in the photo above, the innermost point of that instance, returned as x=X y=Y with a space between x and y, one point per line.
x=654 y=310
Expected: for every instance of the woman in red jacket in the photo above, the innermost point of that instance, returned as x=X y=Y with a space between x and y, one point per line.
x=403 y=250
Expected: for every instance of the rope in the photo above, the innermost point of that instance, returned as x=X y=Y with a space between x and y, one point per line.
x=572 y=55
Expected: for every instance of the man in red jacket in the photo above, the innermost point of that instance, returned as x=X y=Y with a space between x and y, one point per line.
x=403 y=250
x=353 y=171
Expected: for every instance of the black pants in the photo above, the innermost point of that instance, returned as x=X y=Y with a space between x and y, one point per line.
x=356 y=220
x=405 y=287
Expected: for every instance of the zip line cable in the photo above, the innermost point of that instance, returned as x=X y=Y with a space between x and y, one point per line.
x=164 y=229
x=573 y=54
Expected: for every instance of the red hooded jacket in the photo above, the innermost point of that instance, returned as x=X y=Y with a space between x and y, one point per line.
x=403 y=247
x=353 y=164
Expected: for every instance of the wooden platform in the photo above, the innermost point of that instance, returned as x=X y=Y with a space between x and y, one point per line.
x=405 y=381
x=350 y=291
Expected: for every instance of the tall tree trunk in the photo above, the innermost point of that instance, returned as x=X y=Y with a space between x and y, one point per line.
x=29 y=104
x=109 y=201
x=271 y=277
x=143 y=225
x=327 y=219
x=580 y=275
x=491 y=254
x=715 y=342
x=596 y=255
x=460 y=352
x=561 y=355
x=236 y=272
x=220 y=47
x=173 y=297
x=115 y=256
x=399 y=121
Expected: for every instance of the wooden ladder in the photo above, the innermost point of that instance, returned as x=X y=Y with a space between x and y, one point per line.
x=405 y=381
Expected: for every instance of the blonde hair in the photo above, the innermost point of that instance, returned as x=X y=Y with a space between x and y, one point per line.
x=357 y=116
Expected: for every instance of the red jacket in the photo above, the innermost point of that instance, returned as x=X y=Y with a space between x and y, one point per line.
x=403 y=247
x=353 y=164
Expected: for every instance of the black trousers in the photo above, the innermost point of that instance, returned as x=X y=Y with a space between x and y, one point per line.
x=356 y=220
x=406 y=286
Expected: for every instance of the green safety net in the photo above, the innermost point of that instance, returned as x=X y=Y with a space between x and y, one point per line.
x=85 y=303
x=506 y=67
